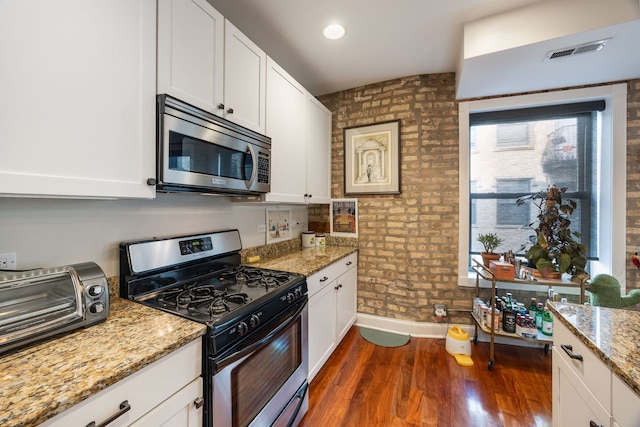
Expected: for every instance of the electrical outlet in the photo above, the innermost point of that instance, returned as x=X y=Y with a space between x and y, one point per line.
x=440 y=311
x=8 y=261
x=262 y=228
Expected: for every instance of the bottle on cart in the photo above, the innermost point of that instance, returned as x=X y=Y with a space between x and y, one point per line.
x=509 y=320
x=533 y=307
x=538 y=316
x=547 y=322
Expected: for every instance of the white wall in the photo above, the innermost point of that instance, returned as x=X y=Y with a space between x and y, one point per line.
x=55 y=232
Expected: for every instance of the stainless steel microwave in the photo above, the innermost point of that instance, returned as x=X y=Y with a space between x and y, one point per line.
x=200 y=152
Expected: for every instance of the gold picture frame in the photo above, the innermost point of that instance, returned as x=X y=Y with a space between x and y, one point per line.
x=372 y=159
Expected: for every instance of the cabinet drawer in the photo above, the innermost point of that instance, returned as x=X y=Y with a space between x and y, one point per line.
x=591 y=370
x=319 y=280
x=573 y=403
x=143 y=390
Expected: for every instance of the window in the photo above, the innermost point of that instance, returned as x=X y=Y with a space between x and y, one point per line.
x=507 y=212
x=512 y=134
x=524 y=143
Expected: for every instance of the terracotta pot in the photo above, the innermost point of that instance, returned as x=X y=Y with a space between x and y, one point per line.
x=548 y=273
x=487 y=258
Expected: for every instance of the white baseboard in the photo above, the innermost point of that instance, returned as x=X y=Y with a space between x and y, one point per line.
x=430 y=330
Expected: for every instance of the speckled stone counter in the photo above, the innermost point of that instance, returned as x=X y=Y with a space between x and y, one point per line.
x=612 y=334
x=307 y=261
x=45 y=379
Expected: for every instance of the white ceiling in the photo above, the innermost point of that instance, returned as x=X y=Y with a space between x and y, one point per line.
x=387 y=40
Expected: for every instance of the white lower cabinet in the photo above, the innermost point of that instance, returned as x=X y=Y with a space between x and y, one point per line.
x=585 y=390
x=167 y=392
x=625 y=404
x=332 y=309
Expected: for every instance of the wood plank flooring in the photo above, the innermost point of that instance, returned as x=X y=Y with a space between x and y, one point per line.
x=420 y=384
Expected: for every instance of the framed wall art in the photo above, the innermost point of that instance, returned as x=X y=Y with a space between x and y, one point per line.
x=343 y=217
x=278 y=225
x=372 y=159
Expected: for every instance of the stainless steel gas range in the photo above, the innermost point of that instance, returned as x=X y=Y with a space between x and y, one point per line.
x=256 y=345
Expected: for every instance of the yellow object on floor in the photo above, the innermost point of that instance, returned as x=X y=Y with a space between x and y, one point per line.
x=459 y=346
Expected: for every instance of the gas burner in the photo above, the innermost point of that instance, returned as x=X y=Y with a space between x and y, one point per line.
x=201 y=299
x=266 y=279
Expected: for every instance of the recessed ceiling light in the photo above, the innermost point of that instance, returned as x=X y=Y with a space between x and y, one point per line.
x=334 y=31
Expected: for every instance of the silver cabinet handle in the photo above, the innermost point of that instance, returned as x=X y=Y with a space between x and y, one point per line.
x=124 y=407
x=198 y=402
x=569 y=350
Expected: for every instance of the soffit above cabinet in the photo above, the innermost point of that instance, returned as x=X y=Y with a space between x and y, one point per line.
x=513 y=52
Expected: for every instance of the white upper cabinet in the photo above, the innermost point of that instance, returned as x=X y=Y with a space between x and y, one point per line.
x=318 y=152
x=191 y=52
x=78 y=89
x=286 y=125
x=245 y=66
x=300 y=130
x=206 y=61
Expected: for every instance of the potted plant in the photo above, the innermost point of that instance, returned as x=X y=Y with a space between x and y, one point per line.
x=554 y=248
x=490 y=241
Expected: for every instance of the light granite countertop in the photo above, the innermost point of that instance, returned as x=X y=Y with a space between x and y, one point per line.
x=306 y=261
x=42 y=380
x=612 y=334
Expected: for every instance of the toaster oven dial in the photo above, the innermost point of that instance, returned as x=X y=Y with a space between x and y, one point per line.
x=95 y=290
x=97 y=308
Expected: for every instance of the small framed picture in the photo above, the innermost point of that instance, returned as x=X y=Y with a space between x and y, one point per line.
x=278 y=225
x=372 y=159
x=343 y=217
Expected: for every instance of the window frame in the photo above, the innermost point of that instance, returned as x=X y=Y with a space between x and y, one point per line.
x=611 y=181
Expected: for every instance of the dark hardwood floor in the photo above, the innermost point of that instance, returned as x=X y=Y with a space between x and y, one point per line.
x=420 y=384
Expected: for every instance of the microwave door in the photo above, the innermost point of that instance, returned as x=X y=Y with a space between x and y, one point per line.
x=205 y=160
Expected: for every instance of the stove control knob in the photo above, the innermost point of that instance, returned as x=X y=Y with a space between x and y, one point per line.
x=97 y=308
x=242 y=328
x=254 y=321
x=290 y=298
x=298 y=292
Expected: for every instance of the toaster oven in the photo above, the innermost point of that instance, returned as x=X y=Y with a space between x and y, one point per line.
x=38 y=304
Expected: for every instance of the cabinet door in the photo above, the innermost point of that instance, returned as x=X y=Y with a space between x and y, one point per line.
x=573 y=403
x=346 y=302
x=322 y=328
x=183 y=409
x=245 y=66
x=286 y=125
x=191 y=52
x=625 y=403
x=318 y=151
x=78 y=90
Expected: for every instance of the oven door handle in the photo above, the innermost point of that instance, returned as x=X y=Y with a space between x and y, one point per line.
x=262 y=342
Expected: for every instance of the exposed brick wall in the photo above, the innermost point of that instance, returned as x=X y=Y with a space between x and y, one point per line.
x=408 y=243
x=633 y=181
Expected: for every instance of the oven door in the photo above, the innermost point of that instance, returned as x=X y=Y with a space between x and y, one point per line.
x=264 y=383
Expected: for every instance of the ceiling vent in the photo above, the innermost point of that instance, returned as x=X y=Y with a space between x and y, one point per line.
x=576 y=50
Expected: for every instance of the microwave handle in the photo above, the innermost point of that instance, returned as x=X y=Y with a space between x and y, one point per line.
x=254 y=169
